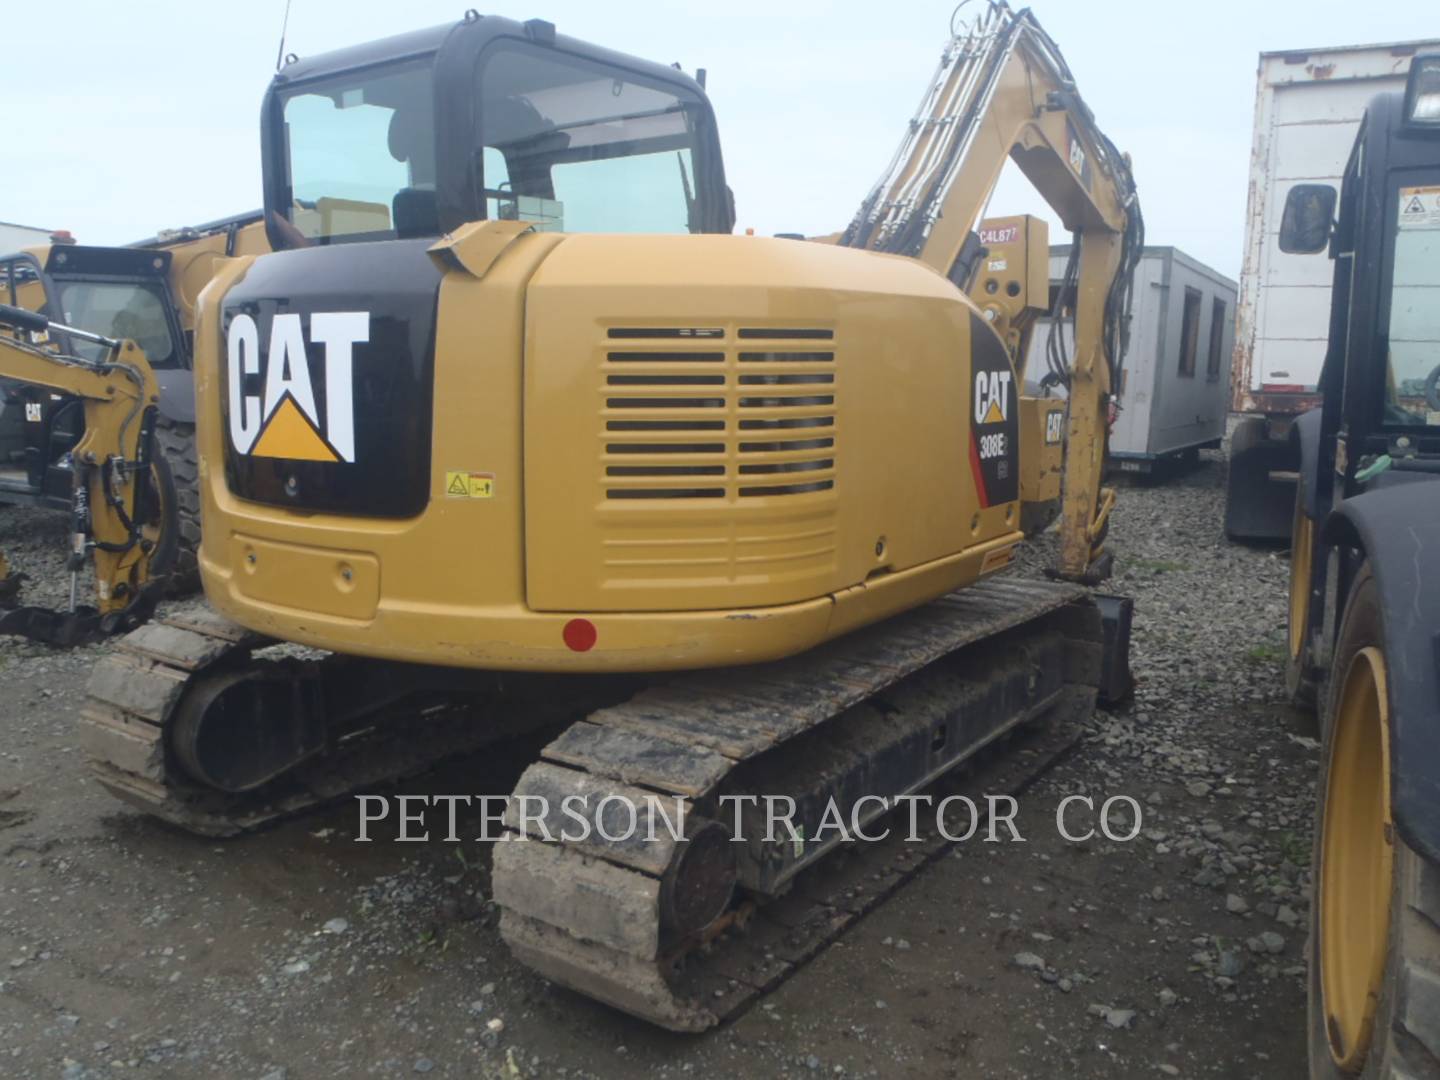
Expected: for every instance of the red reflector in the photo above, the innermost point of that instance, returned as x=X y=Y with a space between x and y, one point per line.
x=580 y=635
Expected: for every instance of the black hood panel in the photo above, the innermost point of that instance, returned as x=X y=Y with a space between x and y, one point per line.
x=295 y=434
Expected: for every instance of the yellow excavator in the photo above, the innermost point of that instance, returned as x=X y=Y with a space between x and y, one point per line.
x=512 y=429
x=145 y=292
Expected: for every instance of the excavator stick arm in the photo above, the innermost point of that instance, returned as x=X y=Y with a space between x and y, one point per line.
x=1003 y=91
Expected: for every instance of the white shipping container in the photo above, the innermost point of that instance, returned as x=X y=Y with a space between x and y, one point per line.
x=1308 y=104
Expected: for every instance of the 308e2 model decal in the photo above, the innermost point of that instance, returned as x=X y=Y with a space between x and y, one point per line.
x=995 y=416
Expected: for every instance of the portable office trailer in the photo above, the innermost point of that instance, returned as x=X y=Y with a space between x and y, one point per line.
x=1175 y=375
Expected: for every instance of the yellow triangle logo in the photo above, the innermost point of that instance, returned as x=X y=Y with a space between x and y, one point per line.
x=289 y=435
x=994 y=414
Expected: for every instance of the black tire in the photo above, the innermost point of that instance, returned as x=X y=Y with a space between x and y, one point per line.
x=162 y=480
x=1405 y=1040
x=1302 y=681
x=180 y=531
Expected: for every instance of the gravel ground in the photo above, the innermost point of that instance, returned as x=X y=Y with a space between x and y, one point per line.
x=128 y=949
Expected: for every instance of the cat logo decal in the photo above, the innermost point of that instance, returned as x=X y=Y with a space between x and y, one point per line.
x=283 y=420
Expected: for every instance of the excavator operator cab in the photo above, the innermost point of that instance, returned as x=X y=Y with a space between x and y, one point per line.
x=416 y=135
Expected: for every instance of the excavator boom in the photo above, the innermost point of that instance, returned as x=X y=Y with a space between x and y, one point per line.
x=1003 y=91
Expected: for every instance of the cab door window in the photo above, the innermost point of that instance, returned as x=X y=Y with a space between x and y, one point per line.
x=1412 y=388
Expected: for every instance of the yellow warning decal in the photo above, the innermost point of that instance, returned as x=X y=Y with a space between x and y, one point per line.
x=469 y=485
x=1420 y=207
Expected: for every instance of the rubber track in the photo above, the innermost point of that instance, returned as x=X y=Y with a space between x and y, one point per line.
x=133 y=693
x=586 y=914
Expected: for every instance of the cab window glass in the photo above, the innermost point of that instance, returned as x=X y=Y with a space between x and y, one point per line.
x=118 y=310
x=1412 y=391
x=575 y=145
x=362 y=153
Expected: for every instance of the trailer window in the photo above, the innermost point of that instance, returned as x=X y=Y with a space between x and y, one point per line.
x=1189 y=333
x=1217 y=338
x=1412 y=389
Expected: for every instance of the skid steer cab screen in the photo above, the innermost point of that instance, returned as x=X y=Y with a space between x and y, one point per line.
x=133 y=310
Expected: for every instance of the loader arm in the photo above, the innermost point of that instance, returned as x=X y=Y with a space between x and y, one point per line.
x=119 y=397
x=1002 y=90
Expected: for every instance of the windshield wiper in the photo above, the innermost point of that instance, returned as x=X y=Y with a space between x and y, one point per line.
x=592 y=121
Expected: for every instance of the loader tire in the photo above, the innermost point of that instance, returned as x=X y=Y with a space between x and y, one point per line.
x=1301 y=678
x=180 y=528
x=1374 y=980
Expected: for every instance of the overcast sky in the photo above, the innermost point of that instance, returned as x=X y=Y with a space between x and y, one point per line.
x=144 y=114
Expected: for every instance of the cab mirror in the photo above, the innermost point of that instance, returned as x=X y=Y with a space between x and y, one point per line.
x=1305 y=226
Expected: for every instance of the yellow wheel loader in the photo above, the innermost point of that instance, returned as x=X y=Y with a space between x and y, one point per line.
x=144 y=292
x=514 y=430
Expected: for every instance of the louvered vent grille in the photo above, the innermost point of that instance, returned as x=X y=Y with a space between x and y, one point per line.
x=691 y=413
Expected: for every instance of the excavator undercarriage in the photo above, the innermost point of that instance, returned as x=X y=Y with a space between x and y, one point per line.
x=190 y=721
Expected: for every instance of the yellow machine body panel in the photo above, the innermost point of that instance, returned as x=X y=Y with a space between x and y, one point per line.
x=716 y=422
x=769 y=536
x=1042 y=450
x=1011 y=282
x=195 y=261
